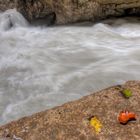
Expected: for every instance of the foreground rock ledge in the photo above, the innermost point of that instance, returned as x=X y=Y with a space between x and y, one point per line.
x=70 y=11
x=71 y=120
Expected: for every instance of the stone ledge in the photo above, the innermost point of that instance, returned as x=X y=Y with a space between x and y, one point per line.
x=71 y=120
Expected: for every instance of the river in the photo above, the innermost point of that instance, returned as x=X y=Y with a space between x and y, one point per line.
x=42 y=67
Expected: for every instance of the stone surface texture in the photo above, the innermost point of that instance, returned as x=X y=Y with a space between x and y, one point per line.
x=70 y=11
x=71 y=120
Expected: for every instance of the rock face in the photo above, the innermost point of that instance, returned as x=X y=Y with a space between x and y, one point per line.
x=71 y=121
x=70 y=11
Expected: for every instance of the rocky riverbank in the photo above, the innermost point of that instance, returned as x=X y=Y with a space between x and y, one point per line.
x=71 y=120
x=70 y=11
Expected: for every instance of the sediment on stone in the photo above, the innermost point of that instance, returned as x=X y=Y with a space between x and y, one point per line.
x=71 y=120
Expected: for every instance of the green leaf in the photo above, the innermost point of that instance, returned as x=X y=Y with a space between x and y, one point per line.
x=127 y=93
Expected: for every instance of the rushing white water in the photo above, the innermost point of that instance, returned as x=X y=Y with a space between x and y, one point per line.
x=43 y=67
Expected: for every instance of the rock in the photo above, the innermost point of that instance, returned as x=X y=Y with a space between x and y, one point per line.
x=71 y=120
x=70 y=11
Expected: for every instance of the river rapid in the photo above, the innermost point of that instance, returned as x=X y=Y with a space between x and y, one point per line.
x=42 y=67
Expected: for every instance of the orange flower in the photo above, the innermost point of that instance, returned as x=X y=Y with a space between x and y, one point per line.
x=126 y=116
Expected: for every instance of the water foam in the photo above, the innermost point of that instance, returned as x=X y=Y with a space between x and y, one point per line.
x=12 y=18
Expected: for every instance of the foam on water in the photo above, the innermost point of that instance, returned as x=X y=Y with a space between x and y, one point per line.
x=44 y=67
x=11 y=18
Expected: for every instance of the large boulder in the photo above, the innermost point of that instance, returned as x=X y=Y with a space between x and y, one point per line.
x=71 y=120
x=70 y=11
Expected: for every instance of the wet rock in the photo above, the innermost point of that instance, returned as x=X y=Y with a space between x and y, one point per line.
x=70 y=11
x=71 y=120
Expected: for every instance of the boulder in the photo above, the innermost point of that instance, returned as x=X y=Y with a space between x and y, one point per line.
x=71 y=11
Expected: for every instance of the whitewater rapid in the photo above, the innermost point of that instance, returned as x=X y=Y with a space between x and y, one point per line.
x=42 y=67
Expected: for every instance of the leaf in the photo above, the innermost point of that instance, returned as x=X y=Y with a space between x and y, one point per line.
x=94 y=122
x=127 y=93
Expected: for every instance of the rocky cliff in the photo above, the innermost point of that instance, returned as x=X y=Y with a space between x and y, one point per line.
x=70 y=11
x=71 y=121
